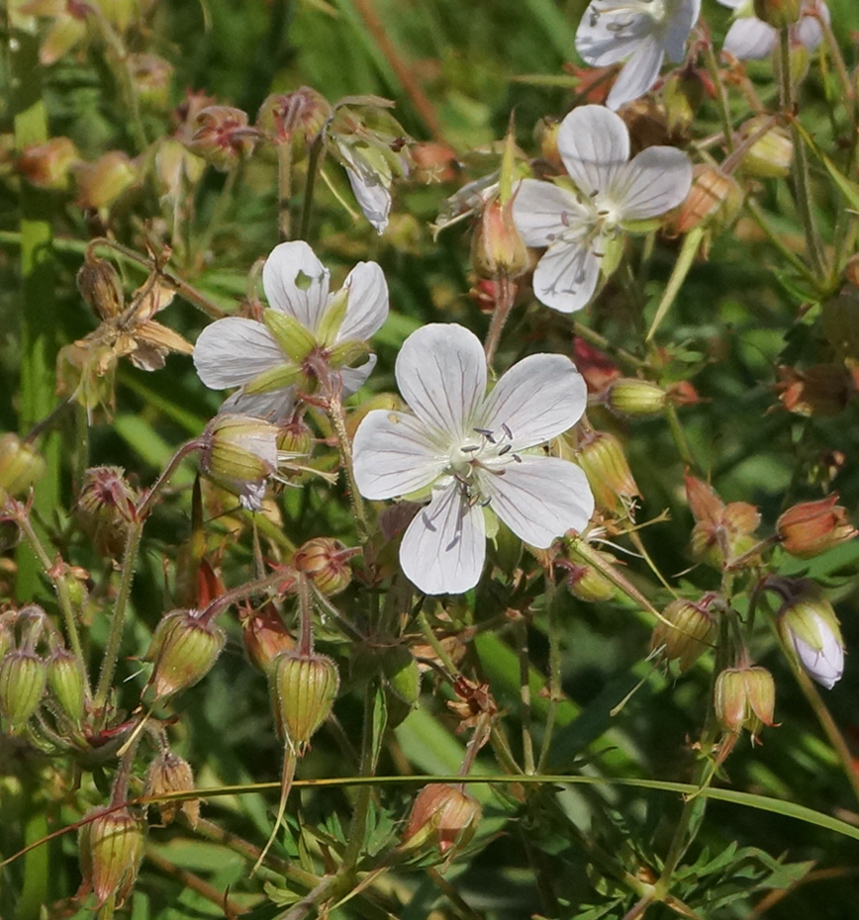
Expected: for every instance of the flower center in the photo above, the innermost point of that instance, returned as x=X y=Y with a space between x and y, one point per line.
x=485 y=450
x=631 y=16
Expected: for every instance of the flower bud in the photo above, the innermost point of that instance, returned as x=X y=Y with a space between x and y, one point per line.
x=595 y=366
x=23 y=676
x=635 y=398
x=294 y=118
x=771 y=155
x=686 y=631
x=240 y=453
x=100 y=287
x=602 y=458
x=20 y=465
x=325 y=562
x=184 y=647
x=442 y=816
x=744 y=697
x=434 y=162
x=49 y=165
x=303 y=689
x=811 y=528
x=296 y=438
x=778 y=13
x=497 y=248
x=102 y=183
x=722 y=532
x=167 y=773
x=265 y=637
x=106 y=509
x=584 y=581
x=111 y=848
x=810 y=628
x=67 y=681
x=714 y=199
x=152 y=76
x=222 y=136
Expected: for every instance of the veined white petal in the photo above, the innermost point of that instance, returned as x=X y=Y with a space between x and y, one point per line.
x=749 y=39
x=296 y=282
x=444 y=547
x=232 y=351
x=679 y=27
x=824 y=664
x=808 y=31
x=606 y=36
x=540 y=498
x=441 y=372
x=593 y=143
x=367 y=308
x=566 y=276
x=537 y=399
x=658 y=179
x=372 y=197
x=543 y=211
x=639 y=73
x=273 y=406
x=353 y=378
x=395 y=455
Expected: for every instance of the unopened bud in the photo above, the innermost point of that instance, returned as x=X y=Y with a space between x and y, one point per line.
x=778 y=13
x=685 y=632
x=744 y=697
x=101 y=287
x=497 y=247
x=325 y=562
x=222 y=136
x=265 y=637
x=49 y=165
x=303 y=689
x=546 y=135
x=771 y=155
x=103 y=182
x=635 y=398
x=442 y=816
x=67 y=682
x=184 y=647
x=294 y=118
x=583 y=580
x=168 y=773
x=106 y=509
x=602 y=458
x=111 y=848
x=23 y=676
x=20 y=465
x=296 y=438
x=714 y=200
x=811 y=528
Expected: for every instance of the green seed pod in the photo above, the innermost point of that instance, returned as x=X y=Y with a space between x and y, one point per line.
x=304 y=688
x=184 y=648
x=20 y=465
x=67 y=682
x=744 y=697
x=111 y=848
x=171 y=773
x=106 y=509
x=635 y=398
x=689 y=631
x=325 y=561
x=22 y=682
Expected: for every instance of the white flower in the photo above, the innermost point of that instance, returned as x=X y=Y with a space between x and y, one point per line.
x=594 y=146
x=750 y=39
x=470 y=451
x=642 y=32
x=823 y=658
x=244 y=353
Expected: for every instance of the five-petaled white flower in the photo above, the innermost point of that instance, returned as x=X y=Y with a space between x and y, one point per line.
x=642 y=32
x=469 y=451
x=306 y=327
x=610 y=189
x=750 y=39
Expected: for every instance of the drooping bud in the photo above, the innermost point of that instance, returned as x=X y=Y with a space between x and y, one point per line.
x=294 y=118
x=222 y=136
x=722 y=533
x=23 y=676
x=49 y=165
x=184 y=647
x=295 y=437
x=497 y=248
x=685 y=632
x=744 y=697
x=303 y=690
x=111 y=848
x=583 y=580
x=442 y=816
x=67 y=681
x=325 y=561
x=240 y=453
x=169 y=772
x=602 y=458
x=778 y=13
x=106 y=509
x=713 y=201
x=771 y=155
x=20 y=465
x=103 y=182
x=811 y=528
x=265 y=637
x=635 y=398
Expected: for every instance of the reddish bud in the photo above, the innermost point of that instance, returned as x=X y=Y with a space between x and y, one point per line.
x=49 y=165
x=595 y=366
x=265 y=637
x=497 y=248
x=325 y=562
x=714 y=200
x=106 y=509
x=822 y=390
x=296 y=117
x=222 y=136
x=442 y=816
x=811 y=528
x=168 y=773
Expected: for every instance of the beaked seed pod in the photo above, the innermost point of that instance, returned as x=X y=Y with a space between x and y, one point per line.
x=325 y=561
x=106 y=509
x=686 y=631
x=67 y=682
x=111 y=848
x=23 y=676
x=744 y=697
x=304 y=688
x=167 y=773
x=184 y=648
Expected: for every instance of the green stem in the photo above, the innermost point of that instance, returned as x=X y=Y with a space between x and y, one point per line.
x=314 y=161
x=758 y=215
x=521 y=634
x=679 y=436
x=721 y=94
x=335 y=414
x=503 y=305
x=678 y=275
x=555 y=687
x=284 y=189
x=358 y=825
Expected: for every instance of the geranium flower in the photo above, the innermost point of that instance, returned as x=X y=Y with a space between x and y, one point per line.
x=750 y=39
x=641 y=32
x=470 y=452
x=305 y=331
x=577 y=224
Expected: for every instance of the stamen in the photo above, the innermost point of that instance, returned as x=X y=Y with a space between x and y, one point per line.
x=470 y=448
x=516 y=457
x=487 y=433
x=506 y=428
x=504 y=450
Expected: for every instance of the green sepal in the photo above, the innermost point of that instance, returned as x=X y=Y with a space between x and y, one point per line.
x=347 y=353
x=286 y=375
x=333 y=318
x=642 y=226
x=296 y=341
x=612 y=254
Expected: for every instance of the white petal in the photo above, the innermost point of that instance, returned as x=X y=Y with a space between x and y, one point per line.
x=825 y=665
x=607 y=36
x=444 y=548
x=368 y=302
x=441 y=372
x=638 y=75
x=543 y=211
x=296 y=282
x=232 y=351
x=808 y=31
x=566 y=276
x=353 y=378
x=539 y=398
x=372 y=197
x=273 y=407
x=749 y=39
x=540 y=498
x=395 y=455
x=593 y=143
x=658 y=179
x=679 y=27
